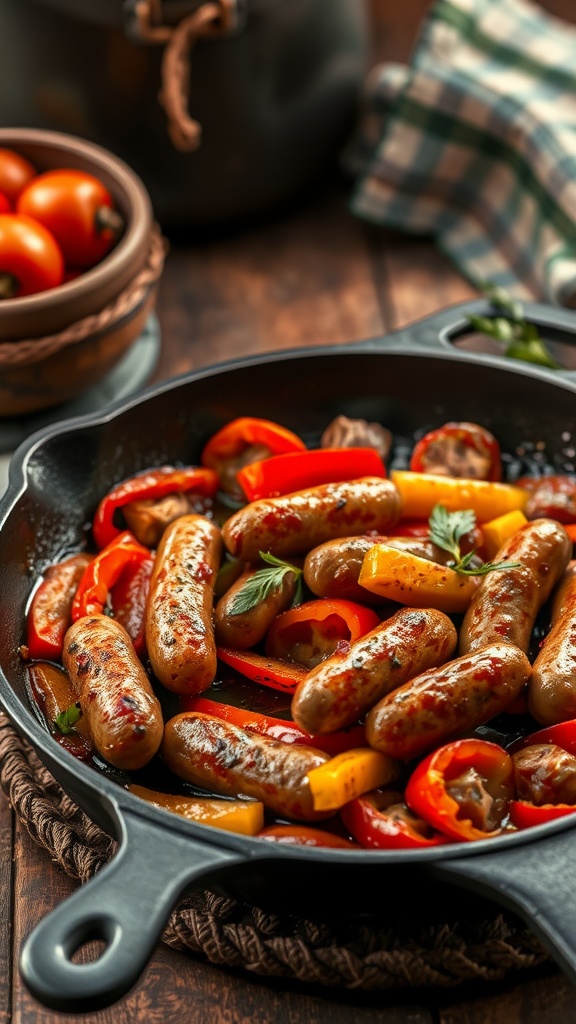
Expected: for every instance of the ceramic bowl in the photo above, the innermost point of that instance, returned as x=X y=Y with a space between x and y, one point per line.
x=57 y=343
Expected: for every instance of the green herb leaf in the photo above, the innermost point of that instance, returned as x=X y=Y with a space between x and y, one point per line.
x=67 y=719
x=265 y=582
x=446 y=531
x=448 y=528
x=521 y=339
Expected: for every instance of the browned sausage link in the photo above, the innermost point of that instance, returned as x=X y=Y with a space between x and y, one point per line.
x=444 y=703
x=507 y=601
x=245 y=629
x=297 y=522
x=332 y=569
x=115 y=694
x=341 y=688
x=545 y=774
x=179 y=632
x=552 y=685
x=225 y=759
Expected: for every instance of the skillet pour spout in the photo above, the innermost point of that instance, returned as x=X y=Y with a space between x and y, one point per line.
x=409 y=381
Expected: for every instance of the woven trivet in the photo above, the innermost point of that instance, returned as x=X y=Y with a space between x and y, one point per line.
x=359 y=957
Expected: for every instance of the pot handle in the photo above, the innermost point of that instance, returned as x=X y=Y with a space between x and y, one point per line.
x=536 y=880
x=126 y=906
x=437 y=330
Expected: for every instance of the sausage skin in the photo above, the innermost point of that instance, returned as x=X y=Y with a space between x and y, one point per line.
x=121 y=710
x=246 y=629
x=552 y=685
x=226 y=759
x=507 y=601
x=447 y=702
x=179 y=633
x=332 y=569
x=295 y=523
x=341 y=688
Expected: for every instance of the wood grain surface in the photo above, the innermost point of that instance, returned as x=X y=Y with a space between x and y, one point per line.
x=307 y=275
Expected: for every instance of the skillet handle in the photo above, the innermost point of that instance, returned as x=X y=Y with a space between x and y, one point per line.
x=437 y=330
x=126 y=906
x=536 y=880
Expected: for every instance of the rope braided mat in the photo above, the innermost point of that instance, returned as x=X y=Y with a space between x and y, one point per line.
x=357 y=957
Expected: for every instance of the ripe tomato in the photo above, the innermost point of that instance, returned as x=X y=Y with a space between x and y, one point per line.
x=78 y=209
x=15 y=173
x=30 y=258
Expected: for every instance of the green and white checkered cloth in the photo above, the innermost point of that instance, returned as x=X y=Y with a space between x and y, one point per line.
x=475 y=144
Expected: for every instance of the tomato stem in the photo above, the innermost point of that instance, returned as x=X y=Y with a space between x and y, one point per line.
x=9 y=285
x=107 y=219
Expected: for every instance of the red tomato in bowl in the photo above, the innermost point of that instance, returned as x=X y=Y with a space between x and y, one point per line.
x=15 y=173
x=30 y=258
x=79 y=211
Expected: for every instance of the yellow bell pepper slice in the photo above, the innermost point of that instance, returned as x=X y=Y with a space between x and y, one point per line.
x=246 y=817
x=348 y=775
x=420 y=492
x=499 y=530
x=415 y=582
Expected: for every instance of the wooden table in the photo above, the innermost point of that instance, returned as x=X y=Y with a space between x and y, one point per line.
x=310 y=276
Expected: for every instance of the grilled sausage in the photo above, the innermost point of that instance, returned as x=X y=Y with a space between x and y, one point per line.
x=242 y=630
x=332 y=569
x=123 y=714
x=444 y=703
x=179 y=633
x=300 y=521
x=341 y=688
x=552 y=685
x=545 y=774
x=226 y=759
x=507 y=601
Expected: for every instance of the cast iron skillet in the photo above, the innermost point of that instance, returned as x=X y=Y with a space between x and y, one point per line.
x=412 y=379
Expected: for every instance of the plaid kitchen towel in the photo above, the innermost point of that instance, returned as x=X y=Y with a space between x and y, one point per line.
x=475 y=144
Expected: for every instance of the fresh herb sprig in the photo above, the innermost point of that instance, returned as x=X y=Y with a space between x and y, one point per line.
x=447 y=530
x=520 y=338
x=66 y=721
x=264 y=582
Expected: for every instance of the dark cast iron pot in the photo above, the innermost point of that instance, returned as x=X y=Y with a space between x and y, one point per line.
x=413 y=379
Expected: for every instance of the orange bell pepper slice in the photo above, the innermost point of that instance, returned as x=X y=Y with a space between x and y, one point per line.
x=416 y=582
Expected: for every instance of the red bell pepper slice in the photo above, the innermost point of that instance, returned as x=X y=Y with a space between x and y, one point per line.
x=277 y=728
x=271 y=672
x=104 y=571
x=50 y=612
x=451 y=781
x=153 y=483
x=523 y=814
x=282 y=474
x=379 y=822
x=305 y=835
x=234 y=437
x=314 y=630
x=442 y=450
x=128 y=597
